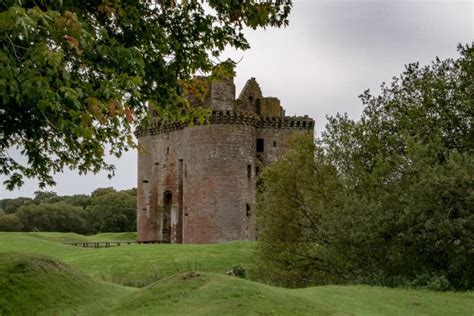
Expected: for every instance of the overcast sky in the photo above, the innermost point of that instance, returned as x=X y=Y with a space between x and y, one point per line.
x=331 y=52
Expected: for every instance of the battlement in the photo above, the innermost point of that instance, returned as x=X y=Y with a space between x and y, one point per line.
x=237 y=118
x=250 y=108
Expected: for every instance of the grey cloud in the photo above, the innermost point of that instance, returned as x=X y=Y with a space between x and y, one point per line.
x=331 y=52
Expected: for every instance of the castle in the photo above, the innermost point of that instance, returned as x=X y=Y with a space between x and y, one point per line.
x=197 y=184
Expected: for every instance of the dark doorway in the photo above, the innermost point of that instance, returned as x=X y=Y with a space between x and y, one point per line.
x=166 y=217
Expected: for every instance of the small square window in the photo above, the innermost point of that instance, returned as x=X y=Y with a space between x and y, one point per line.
x=260 y=145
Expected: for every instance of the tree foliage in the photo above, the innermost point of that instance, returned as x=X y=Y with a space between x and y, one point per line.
x=58 y=216
x=76 y=76
x=395 y=203
x=113 y=212
x=11 y=205
x=10 y=223
x=105 y=210
x=293 y=201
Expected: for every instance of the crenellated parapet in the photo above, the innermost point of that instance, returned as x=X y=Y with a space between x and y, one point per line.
x=236 y=118
x=287 y=122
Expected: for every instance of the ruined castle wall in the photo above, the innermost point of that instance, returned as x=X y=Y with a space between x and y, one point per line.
x=217 y=188
x=249 y=96
x=146 y=203
x=223 y=95
x=276 y=133
x=270 y=107
x=157 y=174
x=205 y=168
x=275 y=142
x=197 y=184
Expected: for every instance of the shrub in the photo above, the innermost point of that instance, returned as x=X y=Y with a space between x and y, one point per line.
x=10 y=223
x=237 y=271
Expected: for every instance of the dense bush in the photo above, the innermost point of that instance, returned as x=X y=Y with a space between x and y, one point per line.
x=383 y=200
x=10 y=223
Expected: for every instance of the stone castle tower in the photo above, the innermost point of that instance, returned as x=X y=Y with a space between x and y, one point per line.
x=198 y=184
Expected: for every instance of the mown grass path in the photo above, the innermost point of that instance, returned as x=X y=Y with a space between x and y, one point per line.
x=34 y=280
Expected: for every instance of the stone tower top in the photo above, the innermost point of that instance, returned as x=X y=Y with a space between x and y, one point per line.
x=222 y=95
x=252 y=100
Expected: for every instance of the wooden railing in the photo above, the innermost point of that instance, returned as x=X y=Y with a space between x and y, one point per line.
x=100 y=244
x=107 y=244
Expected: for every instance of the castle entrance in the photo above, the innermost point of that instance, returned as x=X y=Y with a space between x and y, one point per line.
x=166 y=217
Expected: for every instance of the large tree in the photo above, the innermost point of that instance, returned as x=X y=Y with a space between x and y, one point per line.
x=76 y=76
x=387 y=199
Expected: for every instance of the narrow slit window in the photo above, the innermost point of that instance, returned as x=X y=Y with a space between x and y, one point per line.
x=260 y=145
x=274 y=143
x=249 y=171
x=247 y=210
x=167 y=150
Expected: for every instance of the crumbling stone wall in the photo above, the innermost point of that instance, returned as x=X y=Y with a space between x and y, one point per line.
x=223 y=95
x=248 y=97
x=208 y=173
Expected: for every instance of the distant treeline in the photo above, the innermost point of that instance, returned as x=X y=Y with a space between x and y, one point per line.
x=105 y=210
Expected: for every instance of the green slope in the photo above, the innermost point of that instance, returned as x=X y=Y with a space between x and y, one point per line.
x=69 y=237
x=134 y=265
x=35 y=284
x=373 y=300
x=38 y=284
x=198 y=293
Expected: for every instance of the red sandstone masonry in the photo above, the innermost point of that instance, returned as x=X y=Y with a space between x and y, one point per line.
x=210 y=170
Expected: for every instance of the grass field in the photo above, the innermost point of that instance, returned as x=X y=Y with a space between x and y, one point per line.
x=39 y=275
x=134 y=265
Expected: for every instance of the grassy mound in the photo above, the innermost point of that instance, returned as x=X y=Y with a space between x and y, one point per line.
x=33 y=284
x=197 y=293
